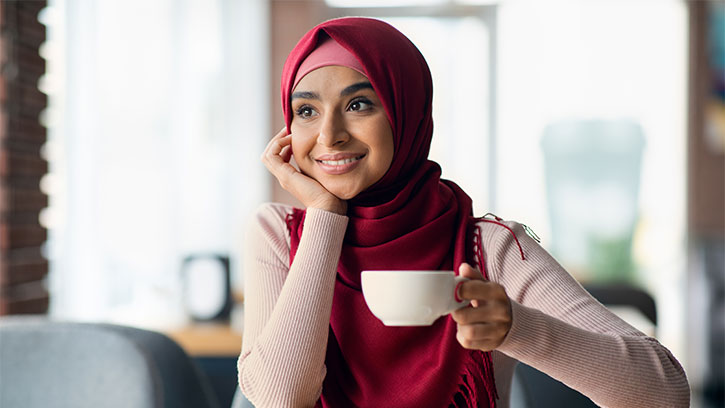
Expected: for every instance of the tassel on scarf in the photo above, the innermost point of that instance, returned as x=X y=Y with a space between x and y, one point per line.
x=479 y=371
x=478 y=376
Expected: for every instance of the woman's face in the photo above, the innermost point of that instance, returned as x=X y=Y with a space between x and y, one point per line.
x=341 y=136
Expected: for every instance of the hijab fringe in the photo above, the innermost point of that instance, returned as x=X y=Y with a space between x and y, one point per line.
x=482 y=367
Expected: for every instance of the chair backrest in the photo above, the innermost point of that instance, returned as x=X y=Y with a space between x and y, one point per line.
x=240 y=401
x=625 y=295
x=548 y=392
x=542 y=391
x=63 y=364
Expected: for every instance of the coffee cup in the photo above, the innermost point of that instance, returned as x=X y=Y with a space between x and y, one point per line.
x=411 y=298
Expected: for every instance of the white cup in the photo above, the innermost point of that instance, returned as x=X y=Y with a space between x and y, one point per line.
x=411 y=298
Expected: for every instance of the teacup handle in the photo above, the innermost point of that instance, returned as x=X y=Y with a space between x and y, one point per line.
x=456 y=301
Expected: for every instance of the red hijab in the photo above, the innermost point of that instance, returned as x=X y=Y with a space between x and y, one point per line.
x=409 y=220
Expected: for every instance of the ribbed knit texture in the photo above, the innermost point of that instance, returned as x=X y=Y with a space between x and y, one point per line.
x=557 y=328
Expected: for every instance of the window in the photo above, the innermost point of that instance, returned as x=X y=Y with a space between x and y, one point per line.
x=153 y=109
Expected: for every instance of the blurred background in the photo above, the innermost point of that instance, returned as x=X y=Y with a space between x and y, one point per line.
x=131 y=133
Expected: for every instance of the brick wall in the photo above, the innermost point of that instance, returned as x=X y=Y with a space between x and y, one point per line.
x=22 y=266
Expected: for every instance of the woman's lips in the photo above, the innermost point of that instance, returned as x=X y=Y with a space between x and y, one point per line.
x=338 y=163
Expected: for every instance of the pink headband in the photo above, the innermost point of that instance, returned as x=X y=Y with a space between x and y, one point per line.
x=327 y=53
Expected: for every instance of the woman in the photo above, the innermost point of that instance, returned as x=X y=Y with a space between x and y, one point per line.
x=357 y=103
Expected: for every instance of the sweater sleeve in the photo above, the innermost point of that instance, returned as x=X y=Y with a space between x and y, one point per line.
x=287 y=309
x=561 y=330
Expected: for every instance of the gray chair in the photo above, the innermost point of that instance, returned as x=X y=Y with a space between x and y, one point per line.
x=540 y=390
x=620 y=294
x=240 y=401
x=519 y=396
x=62 y=364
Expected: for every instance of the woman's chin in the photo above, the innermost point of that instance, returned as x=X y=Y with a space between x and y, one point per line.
x=343 y=192
x=344 y=195
x=346 y=191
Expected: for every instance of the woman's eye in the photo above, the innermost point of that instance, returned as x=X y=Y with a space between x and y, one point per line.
x=305 y=112
x=360 y=105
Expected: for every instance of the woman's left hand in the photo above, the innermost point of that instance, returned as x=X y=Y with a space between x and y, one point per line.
x=485 y=323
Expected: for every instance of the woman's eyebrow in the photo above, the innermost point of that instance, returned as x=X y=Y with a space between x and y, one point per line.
x=305 y=95
x=347 y=91
x=356 y=87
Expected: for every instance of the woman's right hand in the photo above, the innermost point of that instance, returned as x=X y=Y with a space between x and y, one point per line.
x=310 y=192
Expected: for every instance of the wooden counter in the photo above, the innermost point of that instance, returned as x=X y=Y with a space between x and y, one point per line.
x=208 y=340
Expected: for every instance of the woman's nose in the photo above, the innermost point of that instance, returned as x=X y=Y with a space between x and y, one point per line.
x=333 y=131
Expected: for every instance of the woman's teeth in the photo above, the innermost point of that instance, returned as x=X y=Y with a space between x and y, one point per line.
x=340 y=162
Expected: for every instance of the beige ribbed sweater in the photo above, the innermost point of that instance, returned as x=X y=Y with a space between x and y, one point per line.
x=557 y=326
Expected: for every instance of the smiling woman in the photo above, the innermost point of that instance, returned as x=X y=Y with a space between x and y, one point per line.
x=359 y=125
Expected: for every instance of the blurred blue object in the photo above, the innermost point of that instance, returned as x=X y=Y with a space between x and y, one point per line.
x=712 y=254
x=240 y=401
x=79 y=365
x=541 y=391
x=592 y=172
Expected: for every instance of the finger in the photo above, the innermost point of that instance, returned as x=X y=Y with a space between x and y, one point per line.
x=281 y=169
x=490 y=312
x=271 y=154
x=480 y=331
x=282 y=132
x=275 y=145
x=485 y=344
x=478 y=290
x=469 y=272
x=286 y=153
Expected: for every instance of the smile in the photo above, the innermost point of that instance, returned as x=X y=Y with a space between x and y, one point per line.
x=340 y=162
x=339 y=165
